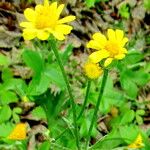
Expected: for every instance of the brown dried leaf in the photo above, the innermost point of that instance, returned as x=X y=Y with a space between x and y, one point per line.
x=138 y=12
x=8 y=38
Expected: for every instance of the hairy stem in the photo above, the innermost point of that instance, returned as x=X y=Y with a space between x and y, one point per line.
x=55 y=50
x=97 y=106
x=86 y=98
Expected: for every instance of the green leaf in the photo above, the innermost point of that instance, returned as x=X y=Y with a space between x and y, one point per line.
x=16 y=117
x=147 y=67
x=120 y=148
x=4 y=61
x=139 y=119
x=147 y=4
x=90 y=3
x=39 y=113
x=124 y=11
x=128 y=85
x=109 y=142
x=8 y=97
x=15 y=113
x=131 y=58
x=44 y=146
x=53 y=72
x=21 y=88
x=6 y=74
x=141 y=77
x=127 y=117
x=39 y=84
x=129 y=133
x=13 y=84
x=140 y=112
x=5 y=129
x=34 y=60
x=5 y=113
x=66 y=54
x=17 y=110
x=111 y=97
x=85 y=124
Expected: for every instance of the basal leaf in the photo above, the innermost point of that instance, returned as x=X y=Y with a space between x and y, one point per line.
x=38 y=113
x=8 y=97
x=34 y=60
x=54 y=74
x=4 y=61
x=127 y=117
x=5 y=113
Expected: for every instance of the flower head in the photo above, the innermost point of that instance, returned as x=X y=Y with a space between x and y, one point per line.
x=138 y=143
x=44 y=20
x=19 y=132
x=92 y=70
x=109 y=49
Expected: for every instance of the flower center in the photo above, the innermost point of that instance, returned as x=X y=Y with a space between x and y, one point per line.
x=92 y=70
x=45 y=20
x=112 y=48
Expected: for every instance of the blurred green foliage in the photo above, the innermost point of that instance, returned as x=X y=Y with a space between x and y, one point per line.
x=124 y=11
x=91 y=3
x=147 y=4
x=46 y=89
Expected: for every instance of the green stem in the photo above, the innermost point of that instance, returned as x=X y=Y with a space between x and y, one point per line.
x=47 y=116
x=55 y=50
x=86 y=98
x=97 y=106
x=61 y=134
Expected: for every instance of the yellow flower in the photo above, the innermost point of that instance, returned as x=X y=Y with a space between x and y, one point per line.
x=138 y=143
x=44 y=20
x=109 y=49
x=19 y=132
x=92 y=70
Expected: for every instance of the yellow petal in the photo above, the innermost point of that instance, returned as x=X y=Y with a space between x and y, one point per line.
x=108 y=61
x=119 y=34
x=138 y=143
x=92 y=70
x=53 y=7
x=138 y=139
x=94 y=45
x=30 y=14
x=64 y=29
x=19 y=132
x=46 y=3
x=133 y=146
x=111 y=34
x=124 y=50
x=66 y=19
x=29 y=34
x=59 y=9
x=39 y=8
x=101 y=39
x=124 y=41
x=59 y=36
x=97 y=56
x=26 y=24
x=42 y=35
x=120 y=56
x=51 y=11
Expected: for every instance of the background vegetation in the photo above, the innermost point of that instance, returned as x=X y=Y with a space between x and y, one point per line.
x=32 y=84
